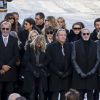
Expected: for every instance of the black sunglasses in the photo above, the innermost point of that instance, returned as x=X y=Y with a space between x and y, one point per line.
x=50 y=32
x=86 y=33
x=76 y=28
x=5 y=29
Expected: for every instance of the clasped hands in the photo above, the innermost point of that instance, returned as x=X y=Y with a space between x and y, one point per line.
x=4 y=69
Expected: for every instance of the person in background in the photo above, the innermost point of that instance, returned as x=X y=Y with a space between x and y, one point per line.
x=21 y=98
x=61 y=24
x=49 y=34
x=40 y=20
x=18 y=25
x=75 y=32
x=9 y=17
x=13 y=96
x=72 y=95
x=96 y=30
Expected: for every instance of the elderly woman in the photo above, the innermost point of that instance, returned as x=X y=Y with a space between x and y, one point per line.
x=34 y=61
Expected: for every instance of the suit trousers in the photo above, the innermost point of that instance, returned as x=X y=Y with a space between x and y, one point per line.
x=6 y=88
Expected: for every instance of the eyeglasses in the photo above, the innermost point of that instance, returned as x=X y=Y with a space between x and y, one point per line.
x=86 y=33
x=5 y=29
x=76 y=28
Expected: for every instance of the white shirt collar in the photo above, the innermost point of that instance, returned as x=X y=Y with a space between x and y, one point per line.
x=5 y=37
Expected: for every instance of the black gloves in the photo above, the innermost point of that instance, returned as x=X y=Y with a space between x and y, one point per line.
x=59 y=74
x=36 y=74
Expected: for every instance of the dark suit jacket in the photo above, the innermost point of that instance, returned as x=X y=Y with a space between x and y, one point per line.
x=8 y=56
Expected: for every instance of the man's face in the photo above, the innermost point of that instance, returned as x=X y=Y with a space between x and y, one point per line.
x=85 y=35
x=5 y=29
x=61 y=36
x=97 y=26
x=38 y=20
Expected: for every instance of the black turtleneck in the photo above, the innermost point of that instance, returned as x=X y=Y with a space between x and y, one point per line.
x=86 y=45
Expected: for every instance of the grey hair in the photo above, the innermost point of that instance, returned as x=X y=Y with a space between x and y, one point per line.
x=60 y=29
x=13 y=96
x=84 y=29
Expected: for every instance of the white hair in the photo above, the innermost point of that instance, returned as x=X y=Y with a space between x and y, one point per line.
x=13 y=96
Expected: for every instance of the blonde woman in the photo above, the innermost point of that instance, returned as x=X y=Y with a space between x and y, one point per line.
x=32 y=35
x=34 y=60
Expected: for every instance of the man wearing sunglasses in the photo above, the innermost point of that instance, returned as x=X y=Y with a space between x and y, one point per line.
x=85 y=62
x=8 y=55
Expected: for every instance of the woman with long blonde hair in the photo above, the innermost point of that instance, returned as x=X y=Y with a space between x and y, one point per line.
x=35 y=66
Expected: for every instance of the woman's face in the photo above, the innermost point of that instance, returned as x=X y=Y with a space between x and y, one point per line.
x=38 y=44
x=11 y=19
x=27 y=26
x=33 y=36
x=60 y=23
x=47 y=23
x=76 y=29
x=49 y=35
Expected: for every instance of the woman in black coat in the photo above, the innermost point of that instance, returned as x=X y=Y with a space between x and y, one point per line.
x=35 y=71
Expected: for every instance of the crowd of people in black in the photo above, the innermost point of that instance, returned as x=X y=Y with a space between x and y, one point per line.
x=43 y=60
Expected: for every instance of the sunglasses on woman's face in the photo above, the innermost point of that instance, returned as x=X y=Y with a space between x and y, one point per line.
x=49 y=33
x=11 y=18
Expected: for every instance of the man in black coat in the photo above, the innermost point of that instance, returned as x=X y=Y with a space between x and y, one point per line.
x=85 y=60
x=59 y=54
x=8 y=55
x=96 y=30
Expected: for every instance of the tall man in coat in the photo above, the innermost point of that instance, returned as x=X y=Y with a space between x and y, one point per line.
x=85 y=60
x=59 y=54
x=8 y=55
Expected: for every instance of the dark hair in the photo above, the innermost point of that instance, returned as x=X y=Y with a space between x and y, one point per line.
x=49 y=29
x=72 y=95
x=96 y=20
x=15 y=13
x=30 y=21
x=78 y=23
x=40 y=14
x=21 y=98
x=7 y=17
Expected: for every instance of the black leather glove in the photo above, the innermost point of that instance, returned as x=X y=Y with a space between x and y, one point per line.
x=65 y=75
x=83 y=75
x=59 y=74
x=36 y=74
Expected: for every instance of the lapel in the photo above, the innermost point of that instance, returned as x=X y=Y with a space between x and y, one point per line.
x=1 y=41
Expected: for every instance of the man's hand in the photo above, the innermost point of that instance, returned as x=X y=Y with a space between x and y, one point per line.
x=5 y=68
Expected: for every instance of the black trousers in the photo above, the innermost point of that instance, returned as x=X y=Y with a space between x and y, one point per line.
x=89 y=94
x=55 y=95
x=6 y=88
